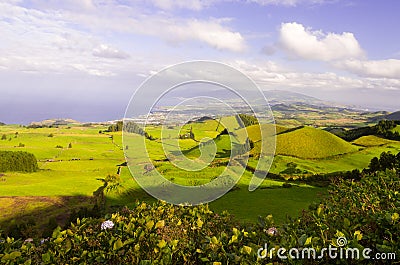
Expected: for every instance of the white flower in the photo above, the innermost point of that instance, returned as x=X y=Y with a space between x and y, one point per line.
x=43 y=240
x=107 y=225
x=272 y=231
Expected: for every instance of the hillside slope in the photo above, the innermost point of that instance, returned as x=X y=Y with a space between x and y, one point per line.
x=309 y=142
x=254 y=132
x=394 y=116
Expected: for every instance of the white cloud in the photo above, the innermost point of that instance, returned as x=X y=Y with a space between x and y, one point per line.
x=181 y=4
x=46 y=40
x=113 y=17
x=106 y=51
x=389 y=68
x=304 y=43
x=212 y=33
x=198 y=5
x=270 y=75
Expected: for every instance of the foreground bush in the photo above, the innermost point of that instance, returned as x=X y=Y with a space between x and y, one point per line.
x=365 y=213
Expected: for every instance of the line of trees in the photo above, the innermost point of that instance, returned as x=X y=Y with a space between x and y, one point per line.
x=383 y=129
x=116 y=127
x=246 y=120
x=129 y=126
x=17 y=161
x=387 y=160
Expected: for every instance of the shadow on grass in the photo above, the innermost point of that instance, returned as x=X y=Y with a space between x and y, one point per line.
x=280 y=201
x=37 y=216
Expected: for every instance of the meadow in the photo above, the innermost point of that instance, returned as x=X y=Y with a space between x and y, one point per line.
x=73 y=159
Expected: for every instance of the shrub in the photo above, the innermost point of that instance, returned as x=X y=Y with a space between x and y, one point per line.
x=17 y=161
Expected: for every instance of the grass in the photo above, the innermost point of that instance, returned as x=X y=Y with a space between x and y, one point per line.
x=73 y=171
x=397 y=129
x=280 y=202
x=309 y=142
x=98 y=156
x=67 y=173
x=372 y=140
x=255 y=132
x=345 y=162
x=39 y=209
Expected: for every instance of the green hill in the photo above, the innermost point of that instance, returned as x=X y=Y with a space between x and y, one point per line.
x=309 y=142
x=223 y=143
x=254 y=132
x=372 y=140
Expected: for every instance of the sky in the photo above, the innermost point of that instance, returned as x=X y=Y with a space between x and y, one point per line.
x=83 y=59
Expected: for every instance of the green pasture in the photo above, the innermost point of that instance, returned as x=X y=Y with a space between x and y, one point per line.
x=75 y=171
x=397 y=129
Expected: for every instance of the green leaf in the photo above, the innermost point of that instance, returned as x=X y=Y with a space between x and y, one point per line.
x=5 y=258
x=162 y=243
x=247 y=250
x=14 y=255
x=319 y=210
x=46 y=257
x=236 y=232
x=383 y=248
x=214 y=240
x=58 y=240
x=346 y=222
x=174 y=242
x=302 y=240
x=233 y=239
x=199 y=223
x=395 y=216
x=358 y=235
x=308 y=241
x=118 y=244
x=160 y=224
x=56 y=232
x=150 y=224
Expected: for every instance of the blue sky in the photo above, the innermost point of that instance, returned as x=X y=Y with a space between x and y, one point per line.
x=84 y=58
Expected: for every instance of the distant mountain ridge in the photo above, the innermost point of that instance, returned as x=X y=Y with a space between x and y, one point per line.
x=394 y=116
x=285 y=97
x=287 y=103
x=53 y=122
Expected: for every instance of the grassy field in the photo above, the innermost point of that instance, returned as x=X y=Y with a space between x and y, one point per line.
x=397 y=129
x=372 y=140
x=72 y=159
x=74 y=172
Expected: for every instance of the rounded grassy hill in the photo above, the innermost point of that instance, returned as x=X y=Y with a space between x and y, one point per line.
x=309 y=142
